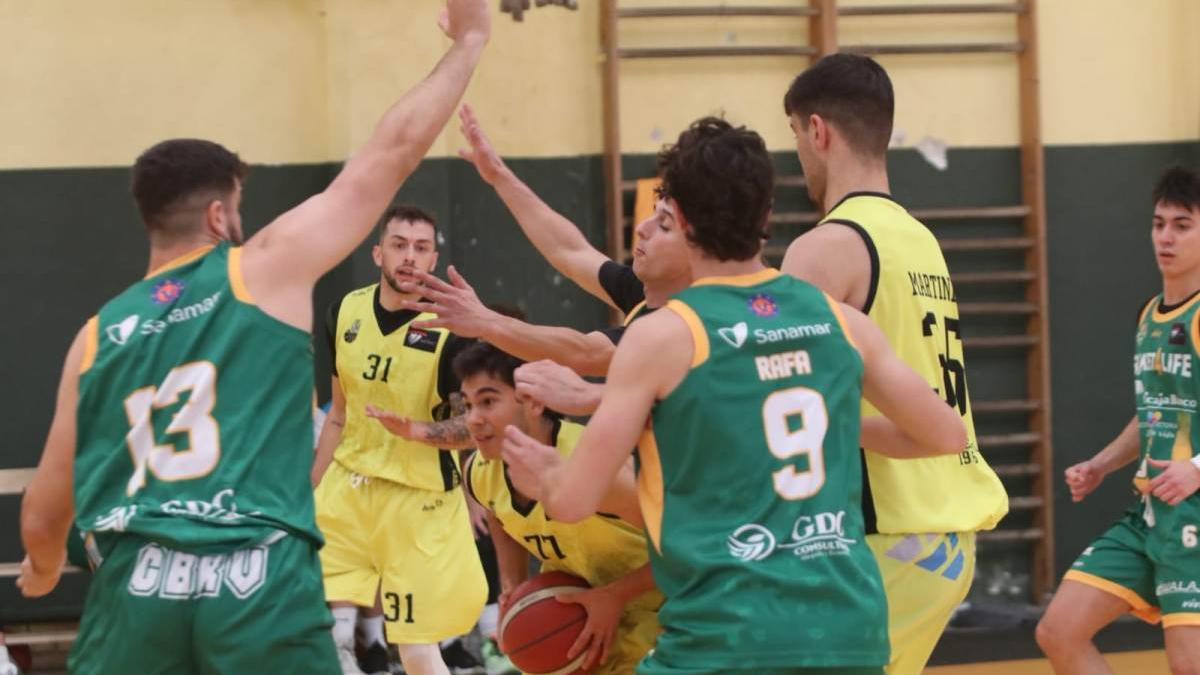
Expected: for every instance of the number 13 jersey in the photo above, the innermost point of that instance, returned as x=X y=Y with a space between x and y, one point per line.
x=194 y=420
x=912 y=300
x=750 y=481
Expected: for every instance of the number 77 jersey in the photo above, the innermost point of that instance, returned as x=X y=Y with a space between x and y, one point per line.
x=911 y=298
x=194 y=420
x=750 y=481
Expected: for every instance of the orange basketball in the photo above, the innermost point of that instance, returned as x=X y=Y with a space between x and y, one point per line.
x=537 y=630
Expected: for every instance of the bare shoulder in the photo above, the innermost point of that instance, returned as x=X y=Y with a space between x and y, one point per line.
x=819 y=242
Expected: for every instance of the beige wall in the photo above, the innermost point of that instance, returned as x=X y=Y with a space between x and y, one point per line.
x=284 y=81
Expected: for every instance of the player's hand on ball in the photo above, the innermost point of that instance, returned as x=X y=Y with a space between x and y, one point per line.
x=557 y=387
x=1082 y=479
x=463 y=19
x=34 y=582
x=1179 y=480
x=603 y=607
x=399 y=425
x=528 y=462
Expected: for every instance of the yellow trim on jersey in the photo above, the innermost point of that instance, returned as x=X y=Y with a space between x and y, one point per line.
x=650 y=485
x=1139 y=607
x=836 y=308
x=182 y=260
x=633 y=313
x=91 y=343
x=696 y=326
x=1150 y=304
x=740 y=280
x=236 y=281
x=1175 y=312
x=1196 y=330
x=1181 y=619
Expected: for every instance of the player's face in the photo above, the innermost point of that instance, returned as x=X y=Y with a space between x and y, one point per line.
x=1176 y=239
x=406 y=246
x=810 y=161
x=660 y=255
x=491 y=406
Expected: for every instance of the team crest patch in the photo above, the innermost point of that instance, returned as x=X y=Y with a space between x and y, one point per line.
x=1153 y=417
x=425 y=340
x=764 y=305
x=167 y=291
x=1178 y=334
x=351 y=333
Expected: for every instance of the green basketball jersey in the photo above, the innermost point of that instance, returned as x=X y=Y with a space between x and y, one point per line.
x=750 y=479
x=1164 y=366
x=195 y=413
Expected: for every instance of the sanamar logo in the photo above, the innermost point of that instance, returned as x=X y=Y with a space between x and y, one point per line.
x=119 y=333
x=735 y=335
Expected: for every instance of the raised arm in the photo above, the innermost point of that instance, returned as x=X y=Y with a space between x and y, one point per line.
x=924 y=424
x=558 y=240
x=48 y=506
x=283 y=261
x=460 y=310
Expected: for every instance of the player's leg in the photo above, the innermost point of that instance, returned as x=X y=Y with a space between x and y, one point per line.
x=925 y=577
x=375 y=657
x=1183 y=649
x=343 y=510
x=264 y=612
x=433 y=586
x=1111 y=577
x=126 y=599
x=1077 y=612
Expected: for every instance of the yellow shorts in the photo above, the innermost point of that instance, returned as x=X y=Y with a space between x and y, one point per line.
x=414 y=546
x=925 y=577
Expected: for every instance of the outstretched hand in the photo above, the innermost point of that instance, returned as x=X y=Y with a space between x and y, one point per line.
x=1179 y=480
x=557 y=387
x=1082 y=479
x=528 y=462
x=399 y=425
x=481 y=153
x=603 y=606
x=456 y=304
x=466 y=19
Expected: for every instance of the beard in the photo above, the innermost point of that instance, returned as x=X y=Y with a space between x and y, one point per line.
x=398 y=283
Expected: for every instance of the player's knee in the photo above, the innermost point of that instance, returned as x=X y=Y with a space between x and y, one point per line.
x=1182 y=663
x=422 y=660
x=1052 y=634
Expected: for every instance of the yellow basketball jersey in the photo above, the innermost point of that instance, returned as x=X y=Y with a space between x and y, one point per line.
x=397 y=372
x=600 y=549
x=912 y=301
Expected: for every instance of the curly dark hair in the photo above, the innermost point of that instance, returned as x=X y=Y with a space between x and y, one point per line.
x=723 y=180
x=172 y=172
x=408 y=212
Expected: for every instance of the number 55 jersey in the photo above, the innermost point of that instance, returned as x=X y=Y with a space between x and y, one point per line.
x=194 y=422
x=750 y=481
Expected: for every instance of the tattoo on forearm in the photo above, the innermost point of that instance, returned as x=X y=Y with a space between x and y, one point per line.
x=453 y=430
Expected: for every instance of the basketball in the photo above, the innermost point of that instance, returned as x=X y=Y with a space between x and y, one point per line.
x=537 y=630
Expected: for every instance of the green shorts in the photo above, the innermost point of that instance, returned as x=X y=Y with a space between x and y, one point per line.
x=1156 y=570
x=151 y=611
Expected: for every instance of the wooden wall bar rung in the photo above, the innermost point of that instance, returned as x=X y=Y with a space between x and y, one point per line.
x=712 y=10
x=1016 y=470
x=718 y=51
x=949 y=48
x=40 y=637
x=1001 y=440
x=1007 y=536
x=987 y=244
x=999 y=277
x=1024 y=503
x=1004 y=406
x=971 y=213
x=997 y=308
x=914 y=9
x=999 y=341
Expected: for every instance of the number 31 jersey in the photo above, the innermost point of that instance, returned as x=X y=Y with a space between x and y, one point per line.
x=194 y=420
x=912 y=300
x=750 y=483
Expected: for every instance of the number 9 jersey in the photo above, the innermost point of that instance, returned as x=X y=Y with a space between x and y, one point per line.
x=195 y=413
x=912 y=300
x=750 y=481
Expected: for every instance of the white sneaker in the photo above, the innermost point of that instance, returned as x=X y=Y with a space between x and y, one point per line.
x=348 y=661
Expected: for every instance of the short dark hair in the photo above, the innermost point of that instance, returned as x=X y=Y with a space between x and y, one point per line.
x=173 y=171
x=723 y=180
x=851 y=92
x=484 y=357
x=1179 y=186
x=409 y=212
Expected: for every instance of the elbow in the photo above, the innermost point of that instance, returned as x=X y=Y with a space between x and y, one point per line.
x=563 y=510
x=39 y=534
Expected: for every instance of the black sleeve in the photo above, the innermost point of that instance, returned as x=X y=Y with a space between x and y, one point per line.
x=622 y=285
x=614 y=333
x=447 y=383
x=331 y=319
